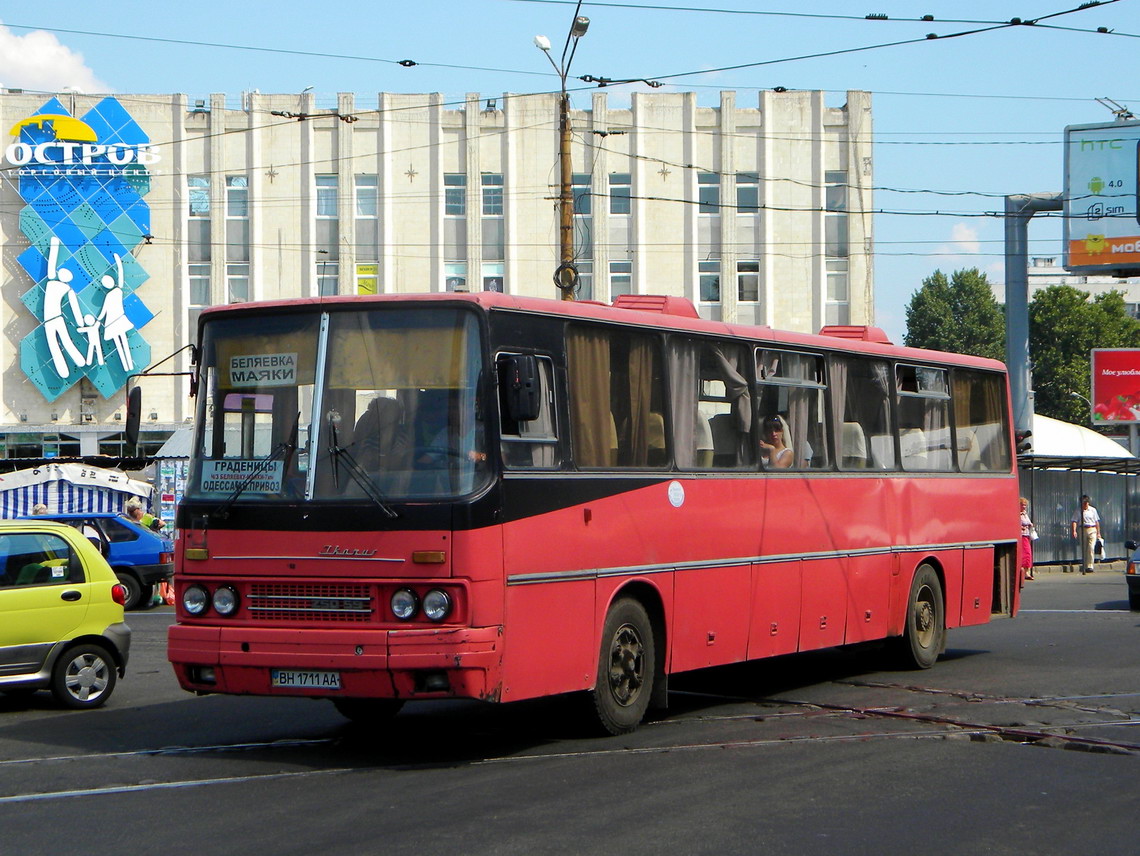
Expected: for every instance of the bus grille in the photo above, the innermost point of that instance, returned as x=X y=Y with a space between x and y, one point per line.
x=333 y=602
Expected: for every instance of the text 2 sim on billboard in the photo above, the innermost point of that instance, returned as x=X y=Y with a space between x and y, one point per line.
x=1102 y=232
x=83 y=180
x=1116 y=384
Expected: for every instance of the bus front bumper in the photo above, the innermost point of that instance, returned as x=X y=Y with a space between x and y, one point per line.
x=433 y=662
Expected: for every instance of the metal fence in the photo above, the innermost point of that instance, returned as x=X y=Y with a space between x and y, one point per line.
x=1055 y=499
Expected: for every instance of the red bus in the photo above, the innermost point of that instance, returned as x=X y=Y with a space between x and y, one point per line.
x=408 y=497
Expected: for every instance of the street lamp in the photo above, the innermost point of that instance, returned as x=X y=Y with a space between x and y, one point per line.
x=1085 y=400
x=566 y=274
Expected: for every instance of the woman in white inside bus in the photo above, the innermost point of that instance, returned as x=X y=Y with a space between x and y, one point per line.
x=774 y=451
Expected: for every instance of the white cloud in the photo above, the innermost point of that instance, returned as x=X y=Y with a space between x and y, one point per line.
x=38 y=61
x=963 y=249
x=965 y=237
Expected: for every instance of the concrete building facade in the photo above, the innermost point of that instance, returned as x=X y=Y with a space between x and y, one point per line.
x=759 y=213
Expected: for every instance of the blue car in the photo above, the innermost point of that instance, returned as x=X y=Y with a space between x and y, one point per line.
x=140 y=558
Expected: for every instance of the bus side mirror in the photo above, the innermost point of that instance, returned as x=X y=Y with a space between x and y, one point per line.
x=521 y=385
x=134 y=416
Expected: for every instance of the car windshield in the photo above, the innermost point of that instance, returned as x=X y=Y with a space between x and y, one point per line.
x=376 y=405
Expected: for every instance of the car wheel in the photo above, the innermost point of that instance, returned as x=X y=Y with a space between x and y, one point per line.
x=134 y=589
x=1134 y=599
x=83 y=677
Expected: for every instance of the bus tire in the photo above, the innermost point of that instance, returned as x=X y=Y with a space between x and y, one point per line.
x=626 y=668
x=925 y=635
x=368 y=710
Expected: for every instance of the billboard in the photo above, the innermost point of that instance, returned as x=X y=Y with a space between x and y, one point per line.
x=1115 y=385
x=1102 y=232
x=83 y=179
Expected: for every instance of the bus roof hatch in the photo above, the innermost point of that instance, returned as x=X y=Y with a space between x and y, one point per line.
x=856 y=331
x=663 y=303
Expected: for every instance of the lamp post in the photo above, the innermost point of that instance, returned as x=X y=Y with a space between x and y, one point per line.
x=566 y=274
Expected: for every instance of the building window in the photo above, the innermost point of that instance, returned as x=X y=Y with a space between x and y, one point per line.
x=837 y=307
x=326 y=196
x=198 y=224
x=580 y=188
x=709 y=272
x=455 y=220
x=494 y=240
x=585 y=280
x=237 y=219
x=620 y=193
x=748 y=193
x=367 y=214
x=456 y=276
x=368 y=278
x=455 y=194
x=835 y=220
x=237 y=283
x=492 y=195
x=237 y=196
x=199 y=294
x=328 y=276
x=198 y=187
x=493 y=277
x=708 y=192
x=621 y=278
x=748 y=281
x=327 y=236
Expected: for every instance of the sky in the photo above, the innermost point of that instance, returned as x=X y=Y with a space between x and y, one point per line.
x=960 y=121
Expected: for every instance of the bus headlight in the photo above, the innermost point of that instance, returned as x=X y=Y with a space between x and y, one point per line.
x=195 y=599
x=405 y=604
x=225 y=601
x=437 y=605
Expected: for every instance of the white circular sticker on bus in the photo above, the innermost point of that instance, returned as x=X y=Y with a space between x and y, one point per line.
x=676 y=494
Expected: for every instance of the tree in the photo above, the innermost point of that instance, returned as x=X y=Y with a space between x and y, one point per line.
x=1064 y=326
x=960 y=314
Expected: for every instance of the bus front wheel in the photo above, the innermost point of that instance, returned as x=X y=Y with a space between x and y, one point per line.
x=925 y=634
x=625 y=668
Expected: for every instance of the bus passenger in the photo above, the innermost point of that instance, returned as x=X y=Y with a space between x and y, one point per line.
x=774 y=452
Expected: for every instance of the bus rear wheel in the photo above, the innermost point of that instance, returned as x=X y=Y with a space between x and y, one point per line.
x=368 y=710
x=625 y=668
x=925 y=634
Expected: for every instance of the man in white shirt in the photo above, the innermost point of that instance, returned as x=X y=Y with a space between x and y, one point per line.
x=1086 y=528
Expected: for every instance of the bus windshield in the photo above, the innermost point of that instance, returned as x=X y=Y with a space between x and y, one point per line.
x=374 y=405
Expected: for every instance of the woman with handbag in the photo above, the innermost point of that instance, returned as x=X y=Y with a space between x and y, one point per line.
x=1028 y=536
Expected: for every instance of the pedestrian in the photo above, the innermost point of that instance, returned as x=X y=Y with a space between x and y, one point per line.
x=39 y=508
x=143 y=518
x=1086 y=528
x=1028 y=536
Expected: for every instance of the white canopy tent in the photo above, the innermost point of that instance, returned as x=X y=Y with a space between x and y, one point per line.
x=68 y=488
x=1055 y=439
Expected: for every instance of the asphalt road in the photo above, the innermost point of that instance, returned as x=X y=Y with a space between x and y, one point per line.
x=1024 y=738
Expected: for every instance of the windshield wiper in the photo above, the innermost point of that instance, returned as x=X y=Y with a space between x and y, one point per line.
x=283 y=449
x=336 y=452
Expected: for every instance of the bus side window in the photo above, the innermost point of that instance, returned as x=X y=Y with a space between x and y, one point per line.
x=528 y=443
x=979 y=418
x=711 y=404
x=617 y=398
x=792 y=387
x=924 y=424
x=861 y=401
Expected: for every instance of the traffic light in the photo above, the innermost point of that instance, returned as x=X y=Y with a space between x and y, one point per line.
x=1024 y=444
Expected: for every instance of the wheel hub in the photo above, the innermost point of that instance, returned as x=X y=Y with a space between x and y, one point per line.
x=627 y=663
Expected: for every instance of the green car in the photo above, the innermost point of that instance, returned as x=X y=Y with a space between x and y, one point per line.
x=61 y=615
